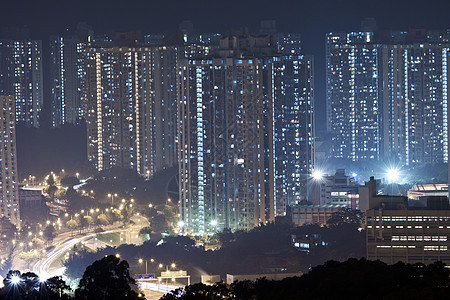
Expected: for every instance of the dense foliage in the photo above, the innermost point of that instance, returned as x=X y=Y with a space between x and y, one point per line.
x=108 y=278
x=28 y=286
x=264 y=249
x=352 y=279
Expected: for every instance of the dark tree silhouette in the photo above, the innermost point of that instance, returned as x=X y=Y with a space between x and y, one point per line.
x=352 y=279
x=107 y=279
x=49 y=233
x=28 y=286
x=346 y=216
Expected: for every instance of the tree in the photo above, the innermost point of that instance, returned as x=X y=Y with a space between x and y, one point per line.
x=51 y=191
x=51 y=180
x=159 y=223
x=72 y=224
x=346 y=216
x=102 y=219
x=29 y=256
x=89 y=220
x=49 y=233
x=108 y=278
x=38 y=242
x=29 y=286
x=60 y=194
x=7 y=229
x=56 y=288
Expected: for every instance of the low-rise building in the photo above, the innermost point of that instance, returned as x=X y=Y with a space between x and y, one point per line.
x=307 y=242
x=331 y=188
x=314 y=214
x=30 y=197
x=396 y=232
x=416 y=192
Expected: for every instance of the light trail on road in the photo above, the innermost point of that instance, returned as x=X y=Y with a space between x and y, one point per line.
x=42 y=267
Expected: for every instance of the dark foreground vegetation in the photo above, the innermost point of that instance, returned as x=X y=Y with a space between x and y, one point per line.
x=109 y=278
x=352 y=279
x=264 y=249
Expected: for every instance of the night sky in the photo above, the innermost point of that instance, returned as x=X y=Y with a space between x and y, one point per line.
x=312 y=18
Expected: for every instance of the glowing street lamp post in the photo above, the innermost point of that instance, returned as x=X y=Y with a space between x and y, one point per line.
x=142 y=260
x=112 y=198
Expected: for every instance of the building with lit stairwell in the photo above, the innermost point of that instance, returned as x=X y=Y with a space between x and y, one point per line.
x=131 y=95
x=67 y=54
x=387 y=95
x=221 y=144
x=9 y=188
x=246 y=136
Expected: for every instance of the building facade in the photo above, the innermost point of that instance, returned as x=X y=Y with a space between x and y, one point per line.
x=119 y=113
x=414 y=96
x=226 y=181
x=396 y=232
x=131 y=107
x=21 y=76
x=9 y=188
x=353 y=106
x=408 y=235
x=387 y=96
x=66 y=78
x=293 y=128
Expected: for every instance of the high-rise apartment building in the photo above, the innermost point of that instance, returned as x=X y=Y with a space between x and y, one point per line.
x=353 y=106
x=9 y=189
x=293 y=128
x=119 y=115
x=165 y=95
x=387 y=96
x=414 y=91
x=21 y=76
x=225 y=141
x=231 y=177
x=66 y=59
x=131 y=96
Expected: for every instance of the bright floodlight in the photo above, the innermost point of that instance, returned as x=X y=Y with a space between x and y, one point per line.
x=15 y=279
x=214 y=222
x=393 y=175
x=354 y=174
x=317 y=175
x=180 y=223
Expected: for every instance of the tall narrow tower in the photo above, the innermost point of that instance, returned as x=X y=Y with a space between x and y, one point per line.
x=9 y=190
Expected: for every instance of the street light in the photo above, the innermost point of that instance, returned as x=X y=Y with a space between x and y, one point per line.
x=140 y=261
x=393 y=175
x=15 y=279
x=112 y=198
x=317 y=175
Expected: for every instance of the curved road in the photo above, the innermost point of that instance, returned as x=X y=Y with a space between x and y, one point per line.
x=42 y=267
